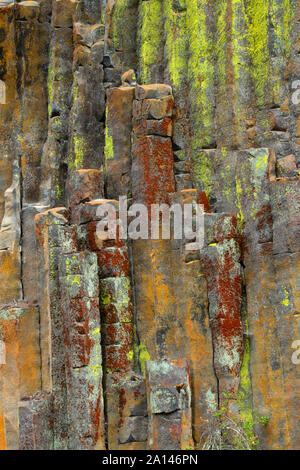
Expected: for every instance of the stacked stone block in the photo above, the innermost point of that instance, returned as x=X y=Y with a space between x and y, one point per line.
x=127 y=413
x=152 y=159
x=169 y=405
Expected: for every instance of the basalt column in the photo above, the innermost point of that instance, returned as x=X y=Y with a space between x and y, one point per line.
x=161 y=266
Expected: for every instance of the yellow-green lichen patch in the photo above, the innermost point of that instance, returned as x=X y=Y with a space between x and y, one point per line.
x=289 y=8
x=109 y=145
x=124 y=28
x=281 y=16
x=240 y=66
x=221 y=40
x=239 y=192
x=176 y=41
x=116 y=292
x=105 y=299
x=75 y=93
x=75 y=280
x=200 y=73
x=286 y=301
x=240 y=38
x=286 y=298
x=249 y=184
x=51 y=75
x=244 y=396
x=130 y=355
x=202 y=171
x=58 y=191
x=117 y=21
x=259 y=159
x=227 y=164
x=258 y=11
x=282 y=13
x=75 y=161
x=52 y=264
x=150 y=36
x=143 y=356
x=95 y=370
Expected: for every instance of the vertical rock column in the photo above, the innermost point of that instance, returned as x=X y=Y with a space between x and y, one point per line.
x=10 y=267
x=86 y=127
x=162 y=267
x=221 y=264
x=285 y=202
x=176 y=56
x=55 y=237
x=152 y=163
x=254 y=175
x=10 y=238
x=117 y=314
x=10 y=103
x=118 y=338
x=71 y=327
x=32 y=40
x=115 y=292
x=118 y=130
x=191 y=335
x=234 y=101
x=113 y=267
x=150 y=41
x=120 y=41
x=117 y=328
x=20 y=365
x=118 y=342
x=30 y=253
x=60 y=76
x=79 y=290
x=152 y=181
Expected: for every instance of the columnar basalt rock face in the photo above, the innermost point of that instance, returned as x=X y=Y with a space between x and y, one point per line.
x=132 y=344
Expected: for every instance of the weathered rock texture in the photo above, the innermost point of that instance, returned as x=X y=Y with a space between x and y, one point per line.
x=135 y=344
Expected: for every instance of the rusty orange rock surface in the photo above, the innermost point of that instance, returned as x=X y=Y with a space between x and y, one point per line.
x=139 y=343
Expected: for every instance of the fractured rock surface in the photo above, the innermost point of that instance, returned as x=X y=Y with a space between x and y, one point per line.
x=138 y=343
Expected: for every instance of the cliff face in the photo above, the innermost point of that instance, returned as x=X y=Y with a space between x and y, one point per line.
x=140 y=343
